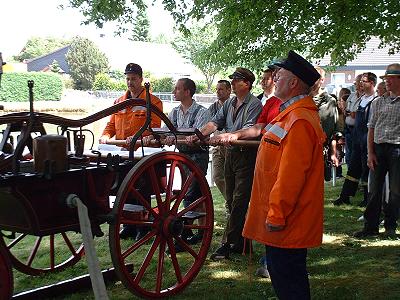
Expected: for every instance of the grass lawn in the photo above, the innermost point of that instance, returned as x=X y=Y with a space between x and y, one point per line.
x=342 y=268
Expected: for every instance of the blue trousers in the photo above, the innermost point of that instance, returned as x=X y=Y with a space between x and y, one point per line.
x=288 y=272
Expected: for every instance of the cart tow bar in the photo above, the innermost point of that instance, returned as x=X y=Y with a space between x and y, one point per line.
x=99 y=288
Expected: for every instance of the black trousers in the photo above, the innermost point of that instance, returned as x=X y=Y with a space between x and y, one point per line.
x=388 y=156
x=288 y=272
x=358 y=169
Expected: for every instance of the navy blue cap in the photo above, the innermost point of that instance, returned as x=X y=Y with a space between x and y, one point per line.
x=300 y=67
x=132 y=68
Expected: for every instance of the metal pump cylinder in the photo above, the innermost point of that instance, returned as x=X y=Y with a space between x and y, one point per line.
x=50 y=149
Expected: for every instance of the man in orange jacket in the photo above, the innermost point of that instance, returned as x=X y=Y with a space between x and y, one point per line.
x=286 y=207
x=125 y=123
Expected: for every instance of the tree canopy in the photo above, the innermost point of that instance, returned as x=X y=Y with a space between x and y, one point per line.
x=37 y=46
x=195 y=46
x=254 y=32
x=85 y=61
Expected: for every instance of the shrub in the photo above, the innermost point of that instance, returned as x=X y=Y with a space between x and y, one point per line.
x=165 y=84
x=102 y=82
x=47 y=86
x=201 y=87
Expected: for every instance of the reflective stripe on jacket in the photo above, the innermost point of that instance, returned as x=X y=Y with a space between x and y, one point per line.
x=127 y=122
x=288 y=185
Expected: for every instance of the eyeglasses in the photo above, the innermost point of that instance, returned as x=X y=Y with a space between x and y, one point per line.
x=365 y=81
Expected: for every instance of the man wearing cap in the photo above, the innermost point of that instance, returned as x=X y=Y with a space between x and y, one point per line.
x=125 y=123
x=383 y=157
x=286 y=207
x=238 y=112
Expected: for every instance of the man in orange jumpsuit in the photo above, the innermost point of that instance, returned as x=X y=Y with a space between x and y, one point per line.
x=286 y=207
x=125 y=123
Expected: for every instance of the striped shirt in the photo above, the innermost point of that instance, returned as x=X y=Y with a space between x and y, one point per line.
x=386 y=120
x=189 y=119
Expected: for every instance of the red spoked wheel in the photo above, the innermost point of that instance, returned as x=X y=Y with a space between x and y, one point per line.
x=158 y=270
x=35 y=255
x=6 y=276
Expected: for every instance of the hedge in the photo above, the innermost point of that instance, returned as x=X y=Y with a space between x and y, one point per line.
x=14 y=86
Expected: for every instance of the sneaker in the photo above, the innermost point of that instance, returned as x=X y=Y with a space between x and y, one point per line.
x=341 y=201
x=262 y=272
x=128 y=231
x=366 y=233
x=221 y=253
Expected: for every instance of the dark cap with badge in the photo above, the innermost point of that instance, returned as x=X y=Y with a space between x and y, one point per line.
x=300 y=67
x=132 y=68
x=244 y=74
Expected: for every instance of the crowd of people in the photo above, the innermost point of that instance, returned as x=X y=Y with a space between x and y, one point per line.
x=274 y=194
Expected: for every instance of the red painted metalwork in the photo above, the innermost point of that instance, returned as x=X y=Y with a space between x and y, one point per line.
x=165 y=220
x=56 y=252
x=44 y=223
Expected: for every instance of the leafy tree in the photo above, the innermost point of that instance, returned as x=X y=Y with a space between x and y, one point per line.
x=196 y=47
x=254 y=32
x=85 y=61
x=140 y=31
x=37 y=46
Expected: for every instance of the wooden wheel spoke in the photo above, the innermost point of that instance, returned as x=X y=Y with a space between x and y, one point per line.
x=69 y=244
x=156 y=188
x=160 y=266
x=192 y=206
x=186 y=247
x=138 y=244
x=174 y=260
x=170 y=182
x=147 y=260
x=196 y=226
x=16 y=240
x=137 y=222
x=145 y=203
x=183 y=192
x=34 y=251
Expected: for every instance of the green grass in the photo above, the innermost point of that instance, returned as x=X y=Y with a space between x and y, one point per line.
x=342 y=268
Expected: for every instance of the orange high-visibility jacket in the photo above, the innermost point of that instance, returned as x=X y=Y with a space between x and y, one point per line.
x=127 y=122
x=288 y=185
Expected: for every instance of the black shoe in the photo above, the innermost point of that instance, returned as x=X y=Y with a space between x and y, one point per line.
x=194 y=239
x=366 y=233
x=177 y=247
x=389 y=234
x=222 y=252
x=341 y=201
x=128 y=231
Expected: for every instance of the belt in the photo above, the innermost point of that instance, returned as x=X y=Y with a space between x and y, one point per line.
x=240 y=149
